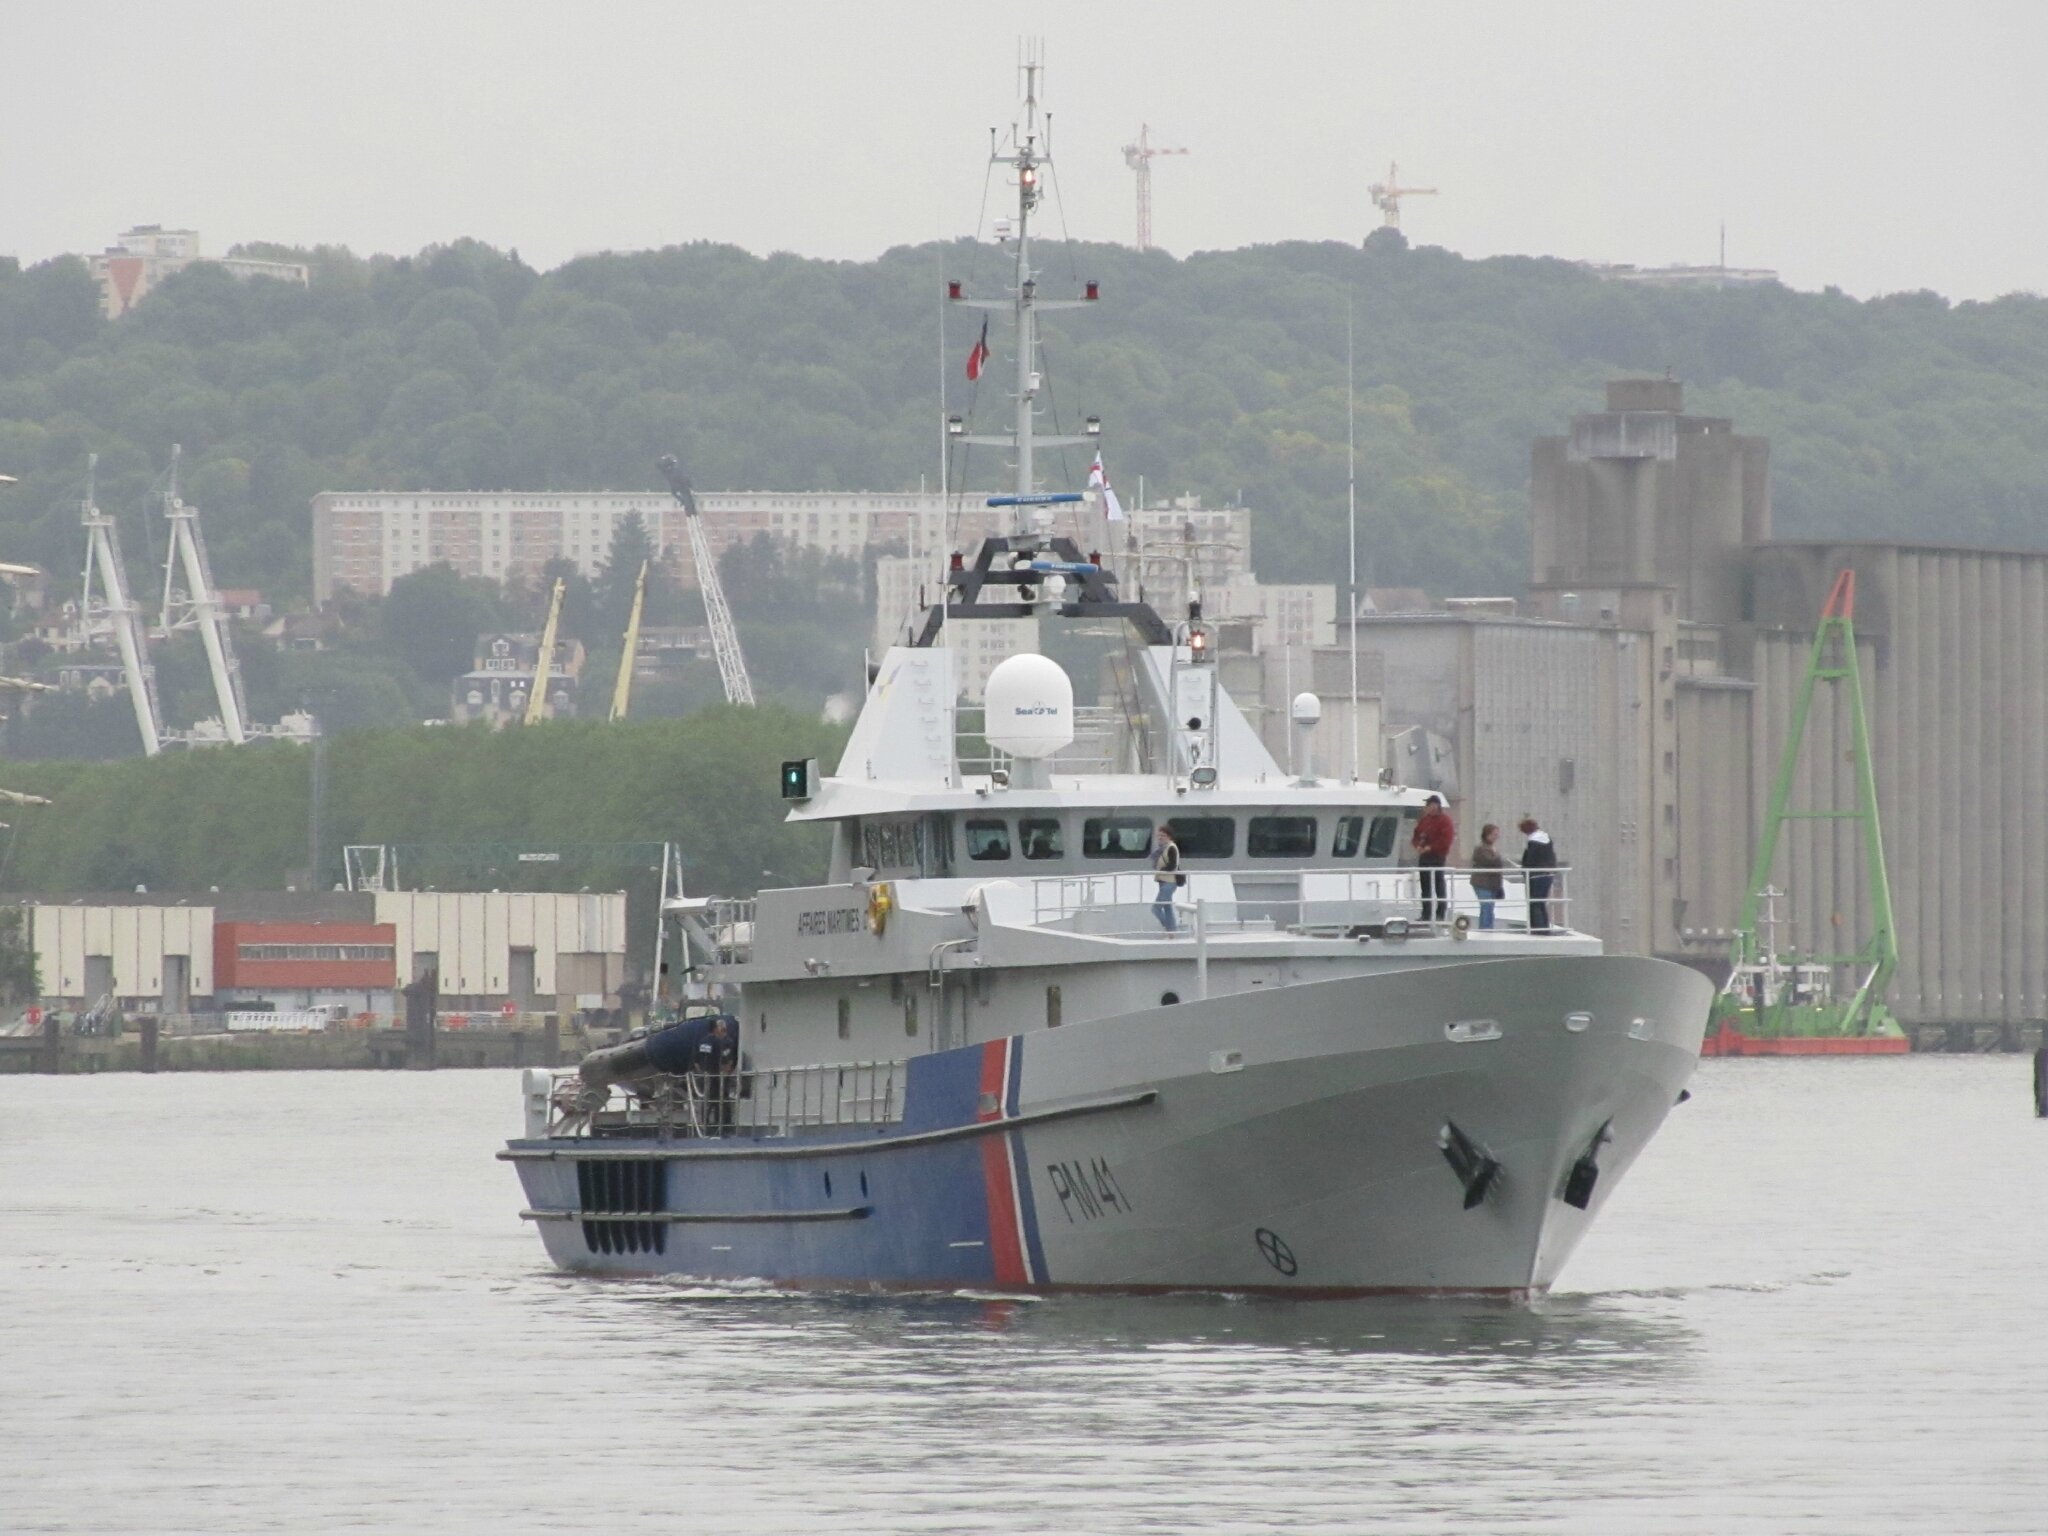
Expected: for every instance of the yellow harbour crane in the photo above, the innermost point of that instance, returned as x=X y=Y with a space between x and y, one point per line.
x=536 y=701
x=622 y=690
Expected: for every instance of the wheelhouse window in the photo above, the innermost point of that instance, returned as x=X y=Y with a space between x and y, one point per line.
x=1116 y=837
x=1350 y=832
x=1280 y=837
x=1039 y=837
x=908 y=845
x=1379 y=844
x=988 y=840
x=1204 y=837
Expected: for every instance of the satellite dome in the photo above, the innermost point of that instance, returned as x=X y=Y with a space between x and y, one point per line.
x=1029 y=707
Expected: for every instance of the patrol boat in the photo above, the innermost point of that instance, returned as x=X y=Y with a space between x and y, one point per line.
x=985 y=1054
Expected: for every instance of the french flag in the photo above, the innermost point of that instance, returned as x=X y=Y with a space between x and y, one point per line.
x=978 y=358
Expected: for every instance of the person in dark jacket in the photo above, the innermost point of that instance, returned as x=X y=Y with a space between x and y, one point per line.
x=1166 y=872
x=1539 y=858
x=1487 y=864
x=1432 y=840
x=715 y=1069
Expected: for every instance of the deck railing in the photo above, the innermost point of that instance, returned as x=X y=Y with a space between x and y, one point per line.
x=1386 y=899
x=753 y=1102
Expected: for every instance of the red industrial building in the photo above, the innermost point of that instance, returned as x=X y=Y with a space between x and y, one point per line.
x=350 y=966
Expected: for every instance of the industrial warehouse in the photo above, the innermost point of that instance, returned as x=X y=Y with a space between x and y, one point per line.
x=340 y=955
x=1640 y=704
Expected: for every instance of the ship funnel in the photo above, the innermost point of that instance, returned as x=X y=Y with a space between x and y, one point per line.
x=1028 y=712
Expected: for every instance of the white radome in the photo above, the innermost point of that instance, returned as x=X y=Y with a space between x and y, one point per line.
x=1029 y=707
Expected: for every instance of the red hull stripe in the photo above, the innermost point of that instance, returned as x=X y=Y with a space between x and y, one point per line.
x=1729 y=1041
x=998 y=1171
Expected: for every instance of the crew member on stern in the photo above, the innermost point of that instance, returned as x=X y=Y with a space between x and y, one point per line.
x=1166 y=870
x=1432 y=841
x=714 y=1070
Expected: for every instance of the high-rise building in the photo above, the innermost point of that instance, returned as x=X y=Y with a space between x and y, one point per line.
x=144 y=256
x=365 y=540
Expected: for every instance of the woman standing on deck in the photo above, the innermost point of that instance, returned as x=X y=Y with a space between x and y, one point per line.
x=1487 y=863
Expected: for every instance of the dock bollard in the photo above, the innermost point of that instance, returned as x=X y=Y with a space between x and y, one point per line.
x=53 y=1043
x=149 y=1039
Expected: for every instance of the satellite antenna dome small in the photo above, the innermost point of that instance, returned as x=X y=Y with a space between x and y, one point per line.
x=1029 y=707
x=1307 y=709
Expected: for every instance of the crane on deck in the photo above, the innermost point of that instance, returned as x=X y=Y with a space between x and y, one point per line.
x=725 y=637
x=622 y=690
x=537 y=697
x=1387 y=195
x=1139 y=158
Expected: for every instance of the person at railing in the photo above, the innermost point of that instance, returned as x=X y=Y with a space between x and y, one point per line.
x=1432 y=839
x=715 y=1073
x=1487 y=864
x=1539 y=858
x=1166 y=871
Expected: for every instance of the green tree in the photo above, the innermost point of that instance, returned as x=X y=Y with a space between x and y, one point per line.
x=20 y=977
x=631 y=548
x=431 y=619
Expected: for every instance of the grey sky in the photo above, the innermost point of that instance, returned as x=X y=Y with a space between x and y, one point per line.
x=1876 y=146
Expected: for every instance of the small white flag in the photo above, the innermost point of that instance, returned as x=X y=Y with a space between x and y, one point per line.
x=1098 y=480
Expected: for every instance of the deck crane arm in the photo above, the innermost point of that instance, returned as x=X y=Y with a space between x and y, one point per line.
x=725 y=637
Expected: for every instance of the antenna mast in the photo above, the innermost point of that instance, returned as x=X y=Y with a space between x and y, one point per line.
x=1029 y=161
x=1351 y=518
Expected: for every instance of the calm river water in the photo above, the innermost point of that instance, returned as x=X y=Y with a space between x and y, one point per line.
x=305 y=1302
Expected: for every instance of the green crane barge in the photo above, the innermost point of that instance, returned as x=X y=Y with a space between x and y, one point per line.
x=1778 y=1000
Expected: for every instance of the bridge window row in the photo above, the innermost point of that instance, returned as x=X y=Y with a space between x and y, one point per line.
x=995 y=840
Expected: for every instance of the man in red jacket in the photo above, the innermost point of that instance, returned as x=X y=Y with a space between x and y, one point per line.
x=1434 y=835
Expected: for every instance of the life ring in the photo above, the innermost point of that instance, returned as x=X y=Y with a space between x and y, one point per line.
x=880 y=904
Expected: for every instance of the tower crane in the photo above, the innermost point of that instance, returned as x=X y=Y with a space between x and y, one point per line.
x=725 y=637
x=1139 y=158
x=1387 y=195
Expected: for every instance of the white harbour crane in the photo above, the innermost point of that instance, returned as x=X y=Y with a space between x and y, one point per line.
x=196 y=605
x=109 y=610
x=725 y=637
